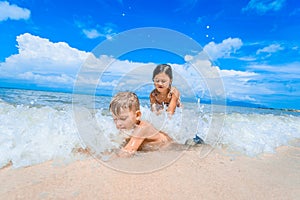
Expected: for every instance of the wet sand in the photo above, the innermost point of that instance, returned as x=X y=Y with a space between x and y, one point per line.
x=198 y=173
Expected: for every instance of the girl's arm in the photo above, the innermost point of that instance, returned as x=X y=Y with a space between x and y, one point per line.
x=153 y=103
x=174 y=100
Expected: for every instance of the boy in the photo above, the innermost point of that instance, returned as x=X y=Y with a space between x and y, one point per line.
x=125 y=109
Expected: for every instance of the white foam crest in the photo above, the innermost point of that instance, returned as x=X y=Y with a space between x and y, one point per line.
x=253 y=134
x=183 y=125
x=98 y=131
x=31 y=135
x=249 y=134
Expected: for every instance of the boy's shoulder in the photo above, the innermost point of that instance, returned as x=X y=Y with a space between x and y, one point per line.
x=144 y=125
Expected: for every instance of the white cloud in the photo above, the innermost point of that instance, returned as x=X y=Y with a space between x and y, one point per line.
x=45 y=63
x=247 y=58
x=92 y=33
x=47 y=80
x=107 y=30
x=251 y=85
x=291 y=70
x=277 y=80
x=273 y=48
x=41 y=59
x=263 y=6
x=224 y=49
x=234 y=73
x=12 y=12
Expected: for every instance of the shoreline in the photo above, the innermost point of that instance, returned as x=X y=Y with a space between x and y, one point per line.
x=187 y=100
x=219 y=175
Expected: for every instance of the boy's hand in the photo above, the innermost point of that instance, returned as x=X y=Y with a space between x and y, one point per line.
x=123 y=153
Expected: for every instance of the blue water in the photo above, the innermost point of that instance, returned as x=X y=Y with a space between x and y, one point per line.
x=37 y=126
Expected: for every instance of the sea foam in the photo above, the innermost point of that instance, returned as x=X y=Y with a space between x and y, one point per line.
x=32 y=134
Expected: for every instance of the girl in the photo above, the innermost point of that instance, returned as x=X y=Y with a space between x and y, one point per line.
x=164 y=93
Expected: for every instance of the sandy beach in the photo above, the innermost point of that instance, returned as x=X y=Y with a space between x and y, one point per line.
x=217 y=175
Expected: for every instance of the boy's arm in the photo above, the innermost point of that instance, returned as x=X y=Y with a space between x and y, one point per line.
x=132 y=146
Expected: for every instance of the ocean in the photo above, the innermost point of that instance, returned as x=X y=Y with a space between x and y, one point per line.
x=38 y=126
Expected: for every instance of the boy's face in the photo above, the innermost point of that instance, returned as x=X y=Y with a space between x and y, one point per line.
x=126 y=119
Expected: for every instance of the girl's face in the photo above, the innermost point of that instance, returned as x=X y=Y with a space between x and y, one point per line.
x=126 y=120
x=162 y=82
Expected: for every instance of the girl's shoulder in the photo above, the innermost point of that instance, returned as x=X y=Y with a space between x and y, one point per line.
x=154 y=93
x=175 y=91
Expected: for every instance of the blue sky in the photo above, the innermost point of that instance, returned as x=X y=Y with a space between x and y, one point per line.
x=253 y=45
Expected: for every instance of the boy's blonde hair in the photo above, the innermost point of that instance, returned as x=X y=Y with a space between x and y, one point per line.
x=124 y=100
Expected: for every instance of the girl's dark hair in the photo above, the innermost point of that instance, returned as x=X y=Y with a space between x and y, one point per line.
x=165 y=68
